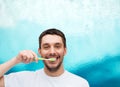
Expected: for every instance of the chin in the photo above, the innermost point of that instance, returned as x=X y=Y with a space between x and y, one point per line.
x=53 y=67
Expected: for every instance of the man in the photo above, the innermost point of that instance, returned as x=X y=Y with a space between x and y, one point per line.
x=52 y=44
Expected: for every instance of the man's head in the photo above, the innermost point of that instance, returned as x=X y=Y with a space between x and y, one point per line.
x=53 y=31
x=52 y=43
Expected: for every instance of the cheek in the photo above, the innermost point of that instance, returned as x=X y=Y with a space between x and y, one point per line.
x=62 y=53
x=43 y=53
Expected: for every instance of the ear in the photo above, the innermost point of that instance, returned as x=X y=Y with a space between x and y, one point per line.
x=39 y=51
x=65 y=51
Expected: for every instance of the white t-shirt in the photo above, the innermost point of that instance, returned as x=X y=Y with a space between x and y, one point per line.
x=40 y=79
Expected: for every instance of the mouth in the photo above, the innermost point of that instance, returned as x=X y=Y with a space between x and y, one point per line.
x=56 y=58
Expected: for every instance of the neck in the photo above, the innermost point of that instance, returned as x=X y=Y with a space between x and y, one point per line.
x=55 y=73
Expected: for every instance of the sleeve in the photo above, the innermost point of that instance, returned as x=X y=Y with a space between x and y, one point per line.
x=19 y=79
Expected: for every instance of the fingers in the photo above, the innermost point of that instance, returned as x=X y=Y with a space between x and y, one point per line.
x=35 y=56
x=27 y=56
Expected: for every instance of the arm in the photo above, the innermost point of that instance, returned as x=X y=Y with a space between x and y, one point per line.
x=4 y=68
x=25 y=56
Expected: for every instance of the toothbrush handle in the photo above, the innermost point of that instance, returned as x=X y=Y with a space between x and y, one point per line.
x=41 y=58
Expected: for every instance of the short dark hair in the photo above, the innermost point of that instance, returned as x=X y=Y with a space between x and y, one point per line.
x=52 y=31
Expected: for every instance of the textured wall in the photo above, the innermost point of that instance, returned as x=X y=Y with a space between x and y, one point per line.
x=92 y=28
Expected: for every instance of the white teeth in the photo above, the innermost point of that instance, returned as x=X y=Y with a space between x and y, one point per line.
x=54 y=57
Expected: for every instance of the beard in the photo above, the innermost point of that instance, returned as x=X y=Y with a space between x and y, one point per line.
x=53 y=69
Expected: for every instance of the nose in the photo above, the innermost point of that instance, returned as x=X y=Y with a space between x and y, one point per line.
x=52 y=51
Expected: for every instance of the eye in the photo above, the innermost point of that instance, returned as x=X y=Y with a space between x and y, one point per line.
x=46 y=46
x=57 y=46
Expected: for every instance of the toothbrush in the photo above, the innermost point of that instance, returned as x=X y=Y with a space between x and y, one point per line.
x=50 y=59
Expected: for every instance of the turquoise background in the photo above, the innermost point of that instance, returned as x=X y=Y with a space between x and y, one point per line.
x=92 y=29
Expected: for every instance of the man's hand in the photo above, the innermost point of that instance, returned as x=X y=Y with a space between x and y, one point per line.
x=26 y=56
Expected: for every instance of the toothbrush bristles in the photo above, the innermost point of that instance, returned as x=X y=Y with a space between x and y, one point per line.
x=52 y=59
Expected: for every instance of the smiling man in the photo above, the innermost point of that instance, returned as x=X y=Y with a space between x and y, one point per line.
x=52 y=44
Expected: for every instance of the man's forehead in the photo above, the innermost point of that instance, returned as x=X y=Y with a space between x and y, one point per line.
x=51 y=39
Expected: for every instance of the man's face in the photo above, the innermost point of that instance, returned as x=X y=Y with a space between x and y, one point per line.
x=52 y=47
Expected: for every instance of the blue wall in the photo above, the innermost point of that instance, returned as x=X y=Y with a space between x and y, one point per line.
x=92 y=29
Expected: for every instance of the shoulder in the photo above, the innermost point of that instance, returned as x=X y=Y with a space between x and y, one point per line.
x=77 y=79
x=74 y=76
x=17 y=75
x=23 y=74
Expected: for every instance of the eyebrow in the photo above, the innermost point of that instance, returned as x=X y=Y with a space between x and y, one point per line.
x=58 y=43
x=45 y=44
